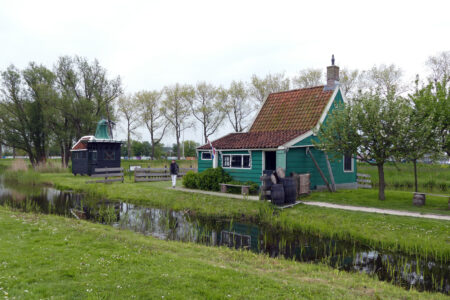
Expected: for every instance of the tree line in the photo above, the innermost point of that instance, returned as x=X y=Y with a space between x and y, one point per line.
x=42 y=107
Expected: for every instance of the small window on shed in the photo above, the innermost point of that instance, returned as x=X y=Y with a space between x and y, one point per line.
x=348 y=163
x=206 y=155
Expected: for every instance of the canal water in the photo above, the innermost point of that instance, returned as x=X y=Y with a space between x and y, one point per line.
x=407 y=271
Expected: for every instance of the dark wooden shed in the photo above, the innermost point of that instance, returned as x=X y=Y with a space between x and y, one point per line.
x=99 y=151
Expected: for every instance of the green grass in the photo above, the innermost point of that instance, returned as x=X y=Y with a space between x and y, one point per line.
x=416 y=236
x=43 y=256
x=423 y=237
x=431 y=177
x=399 y=200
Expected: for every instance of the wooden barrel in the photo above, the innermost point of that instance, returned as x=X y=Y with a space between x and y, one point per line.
x=266 y=183
x=290 y=191
x=419 y=199
x=277 y=193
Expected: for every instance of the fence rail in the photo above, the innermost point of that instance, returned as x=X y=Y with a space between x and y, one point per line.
x=110 y=175
x=157 y=174
x=364 y=181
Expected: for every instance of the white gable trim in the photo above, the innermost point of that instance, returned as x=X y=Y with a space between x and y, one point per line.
x=298 y=139
x=327 y=108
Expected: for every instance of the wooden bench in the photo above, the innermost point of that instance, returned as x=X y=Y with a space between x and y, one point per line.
x=244 y=188
x=157 y=174
x=110 y=175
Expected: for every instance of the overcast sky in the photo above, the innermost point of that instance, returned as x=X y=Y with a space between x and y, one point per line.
x=151 y=44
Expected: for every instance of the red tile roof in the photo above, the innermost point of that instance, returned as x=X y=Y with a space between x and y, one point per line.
x=81 y=144
x=292 y=110
x=254 y=140
x=283 y=117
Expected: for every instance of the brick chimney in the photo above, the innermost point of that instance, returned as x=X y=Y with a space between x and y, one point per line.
x=332 y=75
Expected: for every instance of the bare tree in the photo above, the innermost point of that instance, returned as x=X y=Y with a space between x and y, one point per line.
x=308 y=78
x=152 y=116
x=348 y=81
x=128 y=109
x=260 y=88
x=384 y=80
x=440 y=67
x=237 y=105
x=176 y=109
x=207 y=108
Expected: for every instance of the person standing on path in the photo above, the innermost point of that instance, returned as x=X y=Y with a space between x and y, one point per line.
x=174 y=172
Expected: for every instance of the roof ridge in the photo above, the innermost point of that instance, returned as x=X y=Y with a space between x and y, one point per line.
x=295 y=90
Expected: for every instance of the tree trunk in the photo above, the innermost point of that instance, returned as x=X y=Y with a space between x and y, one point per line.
x=14 y=152
x=1 y=151
x=63 y=155
x=380 y=181
x=129 y=145
x=415 y=174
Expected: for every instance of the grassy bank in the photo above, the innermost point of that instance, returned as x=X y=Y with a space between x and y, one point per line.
x=53 y=257
x=409 y=235
x=431 y=177
x=399 y=200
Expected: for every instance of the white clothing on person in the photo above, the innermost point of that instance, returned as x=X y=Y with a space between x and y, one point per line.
x=174 y=180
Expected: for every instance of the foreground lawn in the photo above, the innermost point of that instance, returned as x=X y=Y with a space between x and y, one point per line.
x=424 y=237
x=52 y=257
x=399 y=200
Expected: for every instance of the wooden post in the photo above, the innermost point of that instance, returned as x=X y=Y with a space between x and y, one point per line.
x=330 y=172
x=318 y=169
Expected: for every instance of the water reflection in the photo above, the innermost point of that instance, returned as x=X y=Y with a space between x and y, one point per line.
x=180 y=226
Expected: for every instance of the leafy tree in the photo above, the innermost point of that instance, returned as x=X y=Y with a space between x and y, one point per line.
x=308 y=78
x=176 y=109
x=371 y=126
x=418 y=137
x=237 y=105
x=87 y=95
x=433 y=102
x=90 y=93
x=25 y=110
x=128 y=109
x=260 y=88
x=207 y=108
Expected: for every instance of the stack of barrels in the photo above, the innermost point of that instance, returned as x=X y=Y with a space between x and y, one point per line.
x=283 y=190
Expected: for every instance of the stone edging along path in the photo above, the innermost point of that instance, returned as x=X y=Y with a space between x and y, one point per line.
x=329 y=205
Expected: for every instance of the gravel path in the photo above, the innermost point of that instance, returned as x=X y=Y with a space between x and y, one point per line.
x=329 y=205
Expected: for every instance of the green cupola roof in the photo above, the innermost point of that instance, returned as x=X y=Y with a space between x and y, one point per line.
x=102 y=132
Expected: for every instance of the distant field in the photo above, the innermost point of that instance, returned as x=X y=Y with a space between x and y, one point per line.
x=431 y=177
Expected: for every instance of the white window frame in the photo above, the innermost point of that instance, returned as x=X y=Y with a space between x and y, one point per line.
x=210 y=157
x=352 y=164
x=242 y=161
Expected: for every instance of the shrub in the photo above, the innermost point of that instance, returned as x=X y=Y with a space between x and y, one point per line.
x=210 y=178
x=190 y=180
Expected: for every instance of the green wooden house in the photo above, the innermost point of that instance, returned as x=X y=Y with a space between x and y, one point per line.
x=282 y=135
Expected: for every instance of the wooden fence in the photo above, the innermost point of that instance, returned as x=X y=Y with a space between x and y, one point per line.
x=110 y=175
x=363 y=181
x=157 y=174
